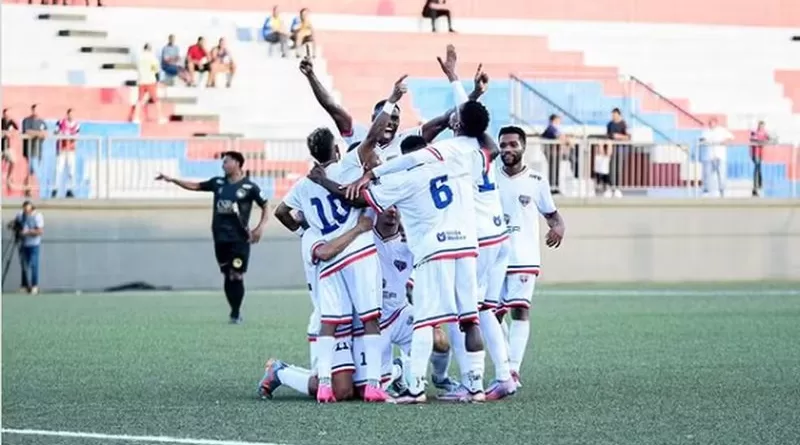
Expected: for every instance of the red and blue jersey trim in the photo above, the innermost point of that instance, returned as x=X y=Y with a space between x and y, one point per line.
x=371 y=200
x=449 y=254
x=493 y=240
x=435 y=152
x=348 y=260
x=532 y=269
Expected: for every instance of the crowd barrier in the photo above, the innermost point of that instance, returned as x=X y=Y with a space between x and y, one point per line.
x=579 y=166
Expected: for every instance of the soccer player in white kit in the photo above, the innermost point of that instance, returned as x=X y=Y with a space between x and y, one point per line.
x=303 y=380
x=525 y=195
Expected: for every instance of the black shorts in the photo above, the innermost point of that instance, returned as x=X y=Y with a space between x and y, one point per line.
x=232 y=256
x=201 y=67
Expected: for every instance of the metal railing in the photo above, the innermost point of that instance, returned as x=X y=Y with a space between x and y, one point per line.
x=579 y=166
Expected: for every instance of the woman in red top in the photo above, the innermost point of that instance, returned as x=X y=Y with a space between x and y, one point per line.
x=758 y=137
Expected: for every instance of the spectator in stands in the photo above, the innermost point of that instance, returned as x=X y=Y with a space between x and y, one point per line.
x=303 y=34
x=34 y=131
x=555 y=151
x=714 y=155
x=66 y=128
x=171 y=63
x=197 y=61
x=147 y=67
x=9 y=126
x=274 y=32
x=222 y=62
x=616 y=130
x=434 y=9
x=758 y=138
x=30 y=225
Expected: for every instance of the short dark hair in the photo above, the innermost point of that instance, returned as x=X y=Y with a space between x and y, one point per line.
x=412 y=143
x=553 y=117
x=320 y=144
x=616 y=110
x=235 y=155
x=512 y=129
x=474 y=118
x=353 y=146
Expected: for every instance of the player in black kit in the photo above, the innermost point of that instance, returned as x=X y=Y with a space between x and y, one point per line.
x=234 y=195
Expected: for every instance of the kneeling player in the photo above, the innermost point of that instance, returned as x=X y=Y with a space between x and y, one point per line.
x=234 y=195
x=304 y=380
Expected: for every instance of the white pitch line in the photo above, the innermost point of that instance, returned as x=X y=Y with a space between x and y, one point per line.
x=670 y=292
x=151 y=439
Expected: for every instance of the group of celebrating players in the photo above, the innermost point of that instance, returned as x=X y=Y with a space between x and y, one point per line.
x=443 y=226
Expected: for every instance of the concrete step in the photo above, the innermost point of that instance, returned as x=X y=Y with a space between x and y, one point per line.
x=179 y=100
x=105 y=49
x=83 y=33
x=118 y=66
x=63 y=17
x=219 y=135
x=194 y=118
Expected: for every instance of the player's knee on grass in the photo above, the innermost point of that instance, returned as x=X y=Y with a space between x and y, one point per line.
x=313 y=386
x=520 y=313
x=440 y=342
x=342 y=383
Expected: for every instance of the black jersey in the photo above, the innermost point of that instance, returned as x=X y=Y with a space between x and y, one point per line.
x=233 y=203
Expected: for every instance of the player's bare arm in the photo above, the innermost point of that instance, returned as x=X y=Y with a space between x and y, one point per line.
x=329 y=250
x=556 y=233
x=257 y=231
x=366 y=149
x=488 y=144
x=317 y=176
x=186 y=185
x=340 y=116
x=283 y=213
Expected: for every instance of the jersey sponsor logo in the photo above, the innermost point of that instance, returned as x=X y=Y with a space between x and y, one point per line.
x=498 y=221
x=400 y=265
x=263 y=195
x=523 y=277
x=536 y=177
x=507 y=217
x=241 y=193
x=452 y=235
x=524 y=200
x=226 y=207
x=384 y=284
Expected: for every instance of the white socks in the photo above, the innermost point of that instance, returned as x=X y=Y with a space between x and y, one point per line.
x=471 y=364
x=325 y=347
x=518 y=342
x=496 y=345
x=372 y=356
x=295 y=378
x=440 y=362
x=421 y=348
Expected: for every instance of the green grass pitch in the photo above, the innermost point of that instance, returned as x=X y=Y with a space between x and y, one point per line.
x=687 y=365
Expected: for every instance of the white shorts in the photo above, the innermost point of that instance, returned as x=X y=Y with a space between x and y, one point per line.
x=517 y=291
x=396 y=330
x=445 y=291
x=492 y=265
x=356 y=287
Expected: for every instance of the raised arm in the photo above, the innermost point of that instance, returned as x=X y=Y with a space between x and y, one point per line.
x=366 y=148
x=342 y=119
x=326 y=251
x=317 y=176
x=205 y=186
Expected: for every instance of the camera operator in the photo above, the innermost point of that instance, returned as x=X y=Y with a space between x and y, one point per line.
x=28 y=227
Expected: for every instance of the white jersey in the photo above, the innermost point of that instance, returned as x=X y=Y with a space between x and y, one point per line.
x=396 y=266
x=329 y=214
x=388 y=151
x=525 y=196
x=492 y=229
x=437 y=204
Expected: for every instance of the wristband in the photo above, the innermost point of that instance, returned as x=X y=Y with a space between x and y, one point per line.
x=388 y=107
x=300 y=231
x=459 y=93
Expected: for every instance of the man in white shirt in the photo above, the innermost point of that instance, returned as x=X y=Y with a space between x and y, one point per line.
x=714 y=156
x=147 y=68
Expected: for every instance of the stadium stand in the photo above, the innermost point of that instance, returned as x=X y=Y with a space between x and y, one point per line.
x=667 y=75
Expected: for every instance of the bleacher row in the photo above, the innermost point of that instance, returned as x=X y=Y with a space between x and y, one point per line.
x=574 y=60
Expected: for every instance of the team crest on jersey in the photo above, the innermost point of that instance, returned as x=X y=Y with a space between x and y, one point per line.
x=410 y=320
x=441 y=236
x=498 y=221
x=524 y=200
x=241 y=193
x=400 y=265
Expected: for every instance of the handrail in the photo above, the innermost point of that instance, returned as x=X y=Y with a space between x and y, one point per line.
x=667 y=100
x=655 y=130
x=545 y=98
